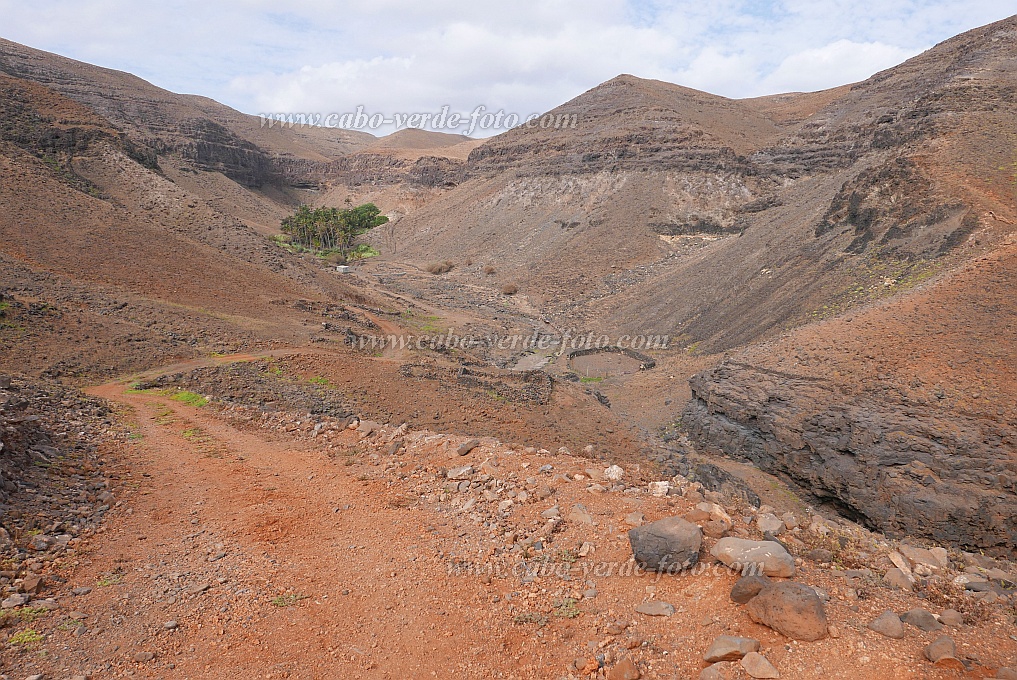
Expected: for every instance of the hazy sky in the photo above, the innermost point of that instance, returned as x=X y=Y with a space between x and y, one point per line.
x=396 y=56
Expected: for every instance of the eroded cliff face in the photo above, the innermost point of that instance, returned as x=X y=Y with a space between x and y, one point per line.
x=902 y=415
x=896 y=465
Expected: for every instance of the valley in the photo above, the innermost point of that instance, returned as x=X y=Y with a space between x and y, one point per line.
x=785 y=319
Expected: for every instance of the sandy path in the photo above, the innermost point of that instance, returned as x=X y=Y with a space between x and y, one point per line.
x=270 y=507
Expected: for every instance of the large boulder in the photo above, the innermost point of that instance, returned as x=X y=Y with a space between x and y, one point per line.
x=792 y=609
x=669 y=544
x=754 y=557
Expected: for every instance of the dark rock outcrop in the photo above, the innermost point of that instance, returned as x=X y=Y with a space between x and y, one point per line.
x=902 y=467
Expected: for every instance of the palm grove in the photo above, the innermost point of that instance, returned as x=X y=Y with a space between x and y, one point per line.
x=332 y=230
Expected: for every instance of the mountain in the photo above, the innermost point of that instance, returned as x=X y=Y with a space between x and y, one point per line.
x=726 y=224
x=830 y=266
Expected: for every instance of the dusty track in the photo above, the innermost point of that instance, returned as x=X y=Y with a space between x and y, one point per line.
x=275 y=560
x=270 y=505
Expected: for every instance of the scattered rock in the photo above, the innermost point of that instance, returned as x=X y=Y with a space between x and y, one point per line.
x=460 y=473
x=83 y=590
x=32 y=583
x=747 y=587
x=888 y=624
x=943 y=652
x=820 y=555
x=748 y=556
x=655 y=608
x=757 y=666
x=625 y=669
x=792 y=609
x=40 y=542
x=952 y=618
x=170 y=625
x=896 y=578
x=921 y=619
x=466 y=447
x=580 y=514
x=659 y=489
x=770 y=524
x=614 y=473
x=551 y=513
x=197 y=588
x=935 y=560
x=144 y=657
x=1006 y=674
x=723 y=670
x=730 y=648
x=15 y=600
x=635 y=519
x=669 y=544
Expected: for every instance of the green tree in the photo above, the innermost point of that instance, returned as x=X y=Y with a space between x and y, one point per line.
x=332 y=230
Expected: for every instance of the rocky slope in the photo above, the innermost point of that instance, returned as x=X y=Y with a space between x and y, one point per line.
x=723 y=221
x=901 y=416
x=249 y=536
x=208 y=134
x=725 y=224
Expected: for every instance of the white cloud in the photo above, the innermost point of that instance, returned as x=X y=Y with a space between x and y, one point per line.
x=838 y=63
x=403 y=56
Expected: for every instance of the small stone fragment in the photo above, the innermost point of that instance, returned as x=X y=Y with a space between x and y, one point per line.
x=655 y=608
x=625 y=669
x=747 y=587
x=730 y=648
x=15 y=600
x=468 y=446
x=943 y=652
x=952 y=618
x=921 y=619
x=757 y=666
x=888 y=624
x=896 y=578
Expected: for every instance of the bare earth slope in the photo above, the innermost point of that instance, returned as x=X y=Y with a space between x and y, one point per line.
x=210 y=134
x=836 y=267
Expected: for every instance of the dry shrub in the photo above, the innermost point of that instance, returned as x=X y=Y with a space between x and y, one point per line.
x=489 y=269
x=440 y=267
x=509 y=289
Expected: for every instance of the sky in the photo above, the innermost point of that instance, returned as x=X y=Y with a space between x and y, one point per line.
x=398 y=57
